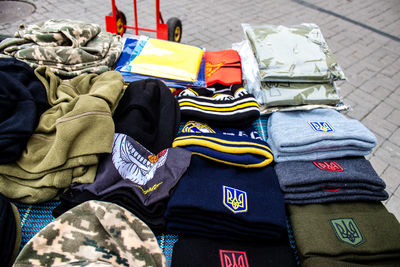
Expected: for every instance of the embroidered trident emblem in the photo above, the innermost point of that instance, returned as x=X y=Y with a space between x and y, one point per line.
x=328 y=165
x=231 y=258
x=235 y=200
x=347 y=231
x=321 y=126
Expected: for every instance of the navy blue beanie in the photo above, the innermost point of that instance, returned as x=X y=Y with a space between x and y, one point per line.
x=23 y=99
x=218 y=200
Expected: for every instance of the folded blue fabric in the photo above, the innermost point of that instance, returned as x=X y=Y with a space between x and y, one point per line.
x=317 y=134
x=237 y=147
x=218 y=200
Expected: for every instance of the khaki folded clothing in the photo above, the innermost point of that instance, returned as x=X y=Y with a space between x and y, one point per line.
x=70 y=136
x=346 y=234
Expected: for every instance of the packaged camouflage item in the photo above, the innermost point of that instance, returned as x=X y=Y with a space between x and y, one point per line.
x=297 y=53
x=293 y=94
x=94 y=233
x=68 y=47
x=69 y=138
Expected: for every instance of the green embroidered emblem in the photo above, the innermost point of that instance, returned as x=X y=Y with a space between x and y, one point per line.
x=347 y=231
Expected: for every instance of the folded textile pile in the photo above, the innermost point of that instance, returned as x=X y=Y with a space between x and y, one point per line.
x=199 y=252
x=296 y=68
x=346 y=234
x=130 y=165
x=232 y=106
x=317 y=134
x=295 y=94
x=223 y=67
x=135 y=179
x=22 y=101
x=97 y=234
x=344 y=179
x=178 y=65
x=298 y=53
x=69 y=48
x=70 y=136
x=220 y=201
x=241 y=147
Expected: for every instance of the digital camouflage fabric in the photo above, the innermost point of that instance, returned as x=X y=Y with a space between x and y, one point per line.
x=298 y=53
x=94 y=233
x=68 y=47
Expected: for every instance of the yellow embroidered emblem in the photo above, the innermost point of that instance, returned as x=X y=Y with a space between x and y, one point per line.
x=154 y=187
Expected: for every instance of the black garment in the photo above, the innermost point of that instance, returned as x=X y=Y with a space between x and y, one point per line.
x=149 y=113
x=152 y=215
x=23 y=99
x=10 y=234
x=192 y=251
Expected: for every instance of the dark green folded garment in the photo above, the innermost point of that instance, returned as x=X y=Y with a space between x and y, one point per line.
x=346 y=234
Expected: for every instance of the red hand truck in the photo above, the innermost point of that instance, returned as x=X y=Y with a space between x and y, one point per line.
x=116 y=23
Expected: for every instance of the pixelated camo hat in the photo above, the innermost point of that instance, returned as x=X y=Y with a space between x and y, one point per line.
x=94 y=233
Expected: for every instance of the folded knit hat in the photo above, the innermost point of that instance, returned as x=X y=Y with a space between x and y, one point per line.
x=23 y=99
x=221 y=201
x=97 y=234
x=346 y=234
x=231 y=106
x=199 y=252
x=352 y=178
x=317 y=134
x=242 y=147
x=149 y=113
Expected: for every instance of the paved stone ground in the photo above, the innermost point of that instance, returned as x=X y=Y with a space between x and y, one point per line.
x=363 y=34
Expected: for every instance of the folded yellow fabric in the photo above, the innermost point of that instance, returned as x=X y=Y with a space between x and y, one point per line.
x=169 y=60
x=64 y=148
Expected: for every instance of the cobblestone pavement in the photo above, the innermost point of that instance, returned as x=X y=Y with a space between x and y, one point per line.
x=363 y=34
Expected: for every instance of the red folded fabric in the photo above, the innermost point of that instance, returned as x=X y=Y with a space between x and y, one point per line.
x=223 y=67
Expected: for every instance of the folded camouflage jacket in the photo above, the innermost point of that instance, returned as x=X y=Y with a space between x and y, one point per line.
x=298 y=53
x=67 y=47
x=66 y=145
x=294 y=94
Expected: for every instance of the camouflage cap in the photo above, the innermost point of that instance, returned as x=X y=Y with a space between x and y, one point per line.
x=94 y=233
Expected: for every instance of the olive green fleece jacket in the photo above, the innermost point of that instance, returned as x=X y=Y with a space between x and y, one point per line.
x=69 y=138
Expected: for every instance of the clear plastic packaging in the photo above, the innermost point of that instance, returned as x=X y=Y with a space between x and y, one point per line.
x=297 y=53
